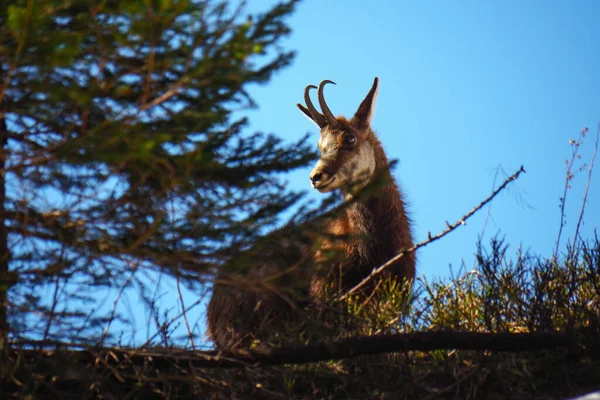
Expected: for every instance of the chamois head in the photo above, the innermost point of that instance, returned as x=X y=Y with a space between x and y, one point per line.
x=348 y=156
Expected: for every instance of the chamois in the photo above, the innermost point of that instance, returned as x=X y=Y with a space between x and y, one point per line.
x=351 y=158
x=372 y=229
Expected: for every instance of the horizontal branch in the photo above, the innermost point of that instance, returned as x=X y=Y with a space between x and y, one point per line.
x=346 y=348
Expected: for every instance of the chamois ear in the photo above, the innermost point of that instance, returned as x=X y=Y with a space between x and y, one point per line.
x=364 y=114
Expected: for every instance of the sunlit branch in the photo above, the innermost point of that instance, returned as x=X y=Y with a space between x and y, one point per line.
x=430 y=239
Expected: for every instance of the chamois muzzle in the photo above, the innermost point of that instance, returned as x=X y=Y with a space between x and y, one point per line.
x=321 y=180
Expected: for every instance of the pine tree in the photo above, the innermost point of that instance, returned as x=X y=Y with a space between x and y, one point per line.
x=119 y=150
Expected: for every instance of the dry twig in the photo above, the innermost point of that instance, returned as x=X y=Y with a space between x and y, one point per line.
x=430 y=239
x=575 y=144
x=585 y=193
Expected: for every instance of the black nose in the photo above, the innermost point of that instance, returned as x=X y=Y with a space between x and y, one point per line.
x=316 y=177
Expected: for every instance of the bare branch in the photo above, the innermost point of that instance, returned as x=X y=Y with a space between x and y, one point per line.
x=568 y=178
x=114 y=308
x=585 y=193
x=346 y=348
x=185 y=319
x=450 y=228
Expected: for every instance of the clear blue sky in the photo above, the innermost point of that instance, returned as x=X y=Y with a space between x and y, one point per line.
x=466 y=87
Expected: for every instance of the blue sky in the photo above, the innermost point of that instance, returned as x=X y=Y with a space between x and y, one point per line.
x=466 y=87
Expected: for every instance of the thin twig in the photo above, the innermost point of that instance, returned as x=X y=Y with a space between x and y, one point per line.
x=167 y=324
x=112 y=313
x=430 y=239
x=55 y=296
x=585 y=193
x=164 y=97
x=53 y=308
x=187 y=325
x=489 y=210
x=568 y=177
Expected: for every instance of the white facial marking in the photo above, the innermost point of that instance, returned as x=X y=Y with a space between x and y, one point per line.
x=329 y=147
x=328 y=144
x=360 y=168
x=357 y=170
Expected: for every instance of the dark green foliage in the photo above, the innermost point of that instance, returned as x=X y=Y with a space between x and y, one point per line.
x=122 y=153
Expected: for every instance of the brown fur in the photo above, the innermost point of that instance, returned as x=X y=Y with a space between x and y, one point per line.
x=378 y=228
x=259 y=300
x=371 y=230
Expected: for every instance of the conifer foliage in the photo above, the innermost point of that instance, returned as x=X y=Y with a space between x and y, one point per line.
x=120 y=151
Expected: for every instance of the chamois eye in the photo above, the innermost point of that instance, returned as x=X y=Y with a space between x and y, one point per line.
x=348 y=140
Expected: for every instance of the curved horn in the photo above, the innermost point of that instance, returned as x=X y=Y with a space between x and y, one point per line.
x=326 y=111
x=315 y=115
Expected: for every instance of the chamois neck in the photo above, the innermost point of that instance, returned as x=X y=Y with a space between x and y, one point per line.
x=381 y=204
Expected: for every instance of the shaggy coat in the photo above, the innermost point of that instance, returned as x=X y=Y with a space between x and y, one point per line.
x=290 y=273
